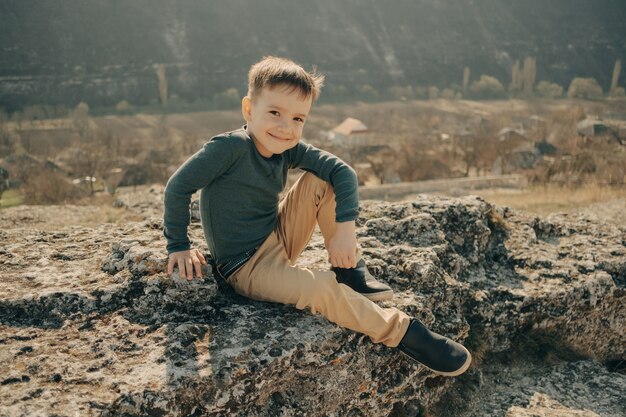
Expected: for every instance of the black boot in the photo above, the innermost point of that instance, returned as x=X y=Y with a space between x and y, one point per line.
x=361 y=281
x=438 y=353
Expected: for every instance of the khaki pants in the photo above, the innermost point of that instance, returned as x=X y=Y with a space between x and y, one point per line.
x=270 y=275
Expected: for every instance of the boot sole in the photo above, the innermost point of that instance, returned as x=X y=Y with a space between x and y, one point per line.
x=458 y=372
x=379 y=296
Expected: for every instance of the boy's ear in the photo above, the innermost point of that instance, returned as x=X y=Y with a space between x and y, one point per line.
x=246 y=108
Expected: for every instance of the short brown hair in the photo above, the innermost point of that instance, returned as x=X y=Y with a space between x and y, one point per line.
x=273 y=71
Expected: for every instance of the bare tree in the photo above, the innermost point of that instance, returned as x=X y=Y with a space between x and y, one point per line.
x=80 y=119
x=517 y=80
x=530 y=73
x=94 y=155
x=467 y=145
x=4 y=182
x=466 y=77
x=617 y=69
x=160 y=70
x=382 y=163
x=9 y=141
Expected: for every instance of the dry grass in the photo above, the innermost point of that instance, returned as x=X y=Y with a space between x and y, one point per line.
x=544 y=200
x=10 y=198
x=92 y=217
x=104 y=212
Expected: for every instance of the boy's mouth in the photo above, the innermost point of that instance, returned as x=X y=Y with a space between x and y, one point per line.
x=279 y=138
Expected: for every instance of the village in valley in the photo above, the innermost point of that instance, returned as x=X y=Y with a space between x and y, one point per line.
x=398 y=148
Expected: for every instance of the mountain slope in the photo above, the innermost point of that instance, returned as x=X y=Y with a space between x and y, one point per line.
x=102 y=52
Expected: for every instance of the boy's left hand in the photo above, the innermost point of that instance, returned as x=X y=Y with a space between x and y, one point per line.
x=342 y=246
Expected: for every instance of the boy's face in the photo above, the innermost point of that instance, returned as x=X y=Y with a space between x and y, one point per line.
x=276 y=118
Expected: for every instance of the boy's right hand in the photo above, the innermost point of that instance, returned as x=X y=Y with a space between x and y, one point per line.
x=187 y=261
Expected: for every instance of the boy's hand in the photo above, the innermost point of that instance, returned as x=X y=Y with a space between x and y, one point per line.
x=187 y=261
x=342 y=246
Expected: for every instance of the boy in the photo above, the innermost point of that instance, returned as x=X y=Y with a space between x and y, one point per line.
x=255 y=240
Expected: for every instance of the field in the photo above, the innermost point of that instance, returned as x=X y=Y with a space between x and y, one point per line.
x=406 y=136
x=544 y=200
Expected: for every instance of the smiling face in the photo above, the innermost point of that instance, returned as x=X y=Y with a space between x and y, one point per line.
x=276 y=118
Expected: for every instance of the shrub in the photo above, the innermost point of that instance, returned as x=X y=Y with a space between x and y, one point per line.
x=228 y=99
x=433 y=92
x=421 y=92
x=401 y=92
x=336 y=92
x=584 y=163
x=367 y=92
x=48 y=187
x=448 y=94
x=549 y=90
x=487 y=87
x=585 y=88
x=35 y=112
x=123 y=107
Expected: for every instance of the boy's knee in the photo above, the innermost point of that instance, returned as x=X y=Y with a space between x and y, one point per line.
x=317 y=186
x=313 y=180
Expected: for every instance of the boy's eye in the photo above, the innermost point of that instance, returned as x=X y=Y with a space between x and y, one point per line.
x=274 y=113
x=299 y=119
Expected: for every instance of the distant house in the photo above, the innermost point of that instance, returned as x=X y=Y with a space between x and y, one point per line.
x=20 y=162
x=352 y=133
x=591 y=127
x=518 y=153
x=509 y=134
x=349 y=127
x=612 y=129
x=536 y=121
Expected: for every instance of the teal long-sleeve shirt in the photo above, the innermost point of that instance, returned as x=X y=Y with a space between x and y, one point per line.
x=240 y=192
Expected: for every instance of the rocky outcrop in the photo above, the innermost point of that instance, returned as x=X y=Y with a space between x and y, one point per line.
x=90 y=324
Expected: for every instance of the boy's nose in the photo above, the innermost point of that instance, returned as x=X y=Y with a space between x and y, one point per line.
x=283 y=126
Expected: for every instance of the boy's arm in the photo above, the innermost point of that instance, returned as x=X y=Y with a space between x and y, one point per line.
x=197 y=172
x=332 y=169
x=342 y=247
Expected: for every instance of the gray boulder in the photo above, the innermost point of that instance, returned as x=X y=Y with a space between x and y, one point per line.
x=90 y=323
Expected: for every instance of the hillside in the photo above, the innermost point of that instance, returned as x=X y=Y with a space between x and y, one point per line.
x=103 y=52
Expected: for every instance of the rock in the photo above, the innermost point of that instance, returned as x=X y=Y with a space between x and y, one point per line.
x=508 y=382
x=103 y=330
x=543 y=406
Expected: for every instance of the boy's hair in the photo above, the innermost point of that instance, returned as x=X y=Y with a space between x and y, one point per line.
x=273 y=71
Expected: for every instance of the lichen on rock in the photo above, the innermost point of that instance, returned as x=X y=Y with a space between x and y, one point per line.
x=92 y=324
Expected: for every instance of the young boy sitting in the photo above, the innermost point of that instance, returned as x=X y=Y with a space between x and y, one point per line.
x=255 y=239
